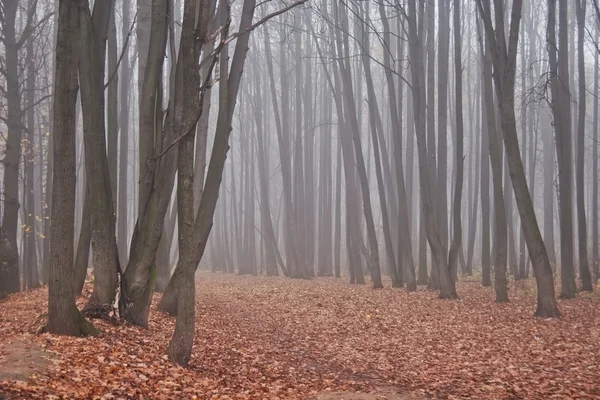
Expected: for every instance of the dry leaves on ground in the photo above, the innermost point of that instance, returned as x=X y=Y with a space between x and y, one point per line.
x=276 y=338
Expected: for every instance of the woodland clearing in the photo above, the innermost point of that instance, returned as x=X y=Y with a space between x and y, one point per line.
x=277 y=338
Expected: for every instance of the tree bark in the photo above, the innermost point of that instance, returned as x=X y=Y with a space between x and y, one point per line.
x=426 y=173
x=94 y=31
x=559 y=78
x=584 y=270
x=63 y=316
x=457 y=227
x=504 y=61
x=9 y=252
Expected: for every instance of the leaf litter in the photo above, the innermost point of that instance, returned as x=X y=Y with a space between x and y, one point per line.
x=276 y=338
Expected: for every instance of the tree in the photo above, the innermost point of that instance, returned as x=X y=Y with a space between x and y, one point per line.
x=495 y=152
x=426 y=171
x=561 y=110
x=504 y=62
x=94 y=31
x=13 y=43
x=584 y=270
x=457 y=227
x=63 y=316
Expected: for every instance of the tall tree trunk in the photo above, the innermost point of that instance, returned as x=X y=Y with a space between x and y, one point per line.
x=350 y=109
x=442 y=97
x=283 y=140
x=156 y=177
x=457 y=227
x=405 y=257
x=122 y=235
x=584 y=270
x=426 y=174
x=112 y=109
x=338 y=211
x=32 y=278
x=94 y=31
x=504 y=60
x=595 y=249
x=63 y=316
x=559 y=78
x=9 y=252
x=486 y=279
x=495 y=152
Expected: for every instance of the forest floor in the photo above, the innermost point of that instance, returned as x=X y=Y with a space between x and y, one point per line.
x=276 y=338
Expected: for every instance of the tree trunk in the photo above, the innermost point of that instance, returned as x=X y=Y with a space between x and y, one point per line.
x=83 y=244
x=505 y=63
x=595 y=249
x=350 y=109
x=495 y=152
x=156 y=177
x=32 y=278
x=9 y=252
x=584 y=270
x=442 y=97
x=486 y=279
x=122 y=232
x=63 y=316
x=559 y=72
x=457 y=227
x=94 y=30
x=426 y=174
x=405 y=257
x=112 y=109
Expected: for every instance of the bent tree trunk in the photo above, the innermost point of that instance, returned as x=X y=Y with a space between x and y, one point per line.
x=505 y=64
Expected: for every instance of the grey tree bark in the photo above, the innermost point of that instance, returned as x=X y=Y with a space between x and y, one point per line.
x=94 y=31
x=584 y=270
x=63 y=316
x=504 y=61
x=561 y=109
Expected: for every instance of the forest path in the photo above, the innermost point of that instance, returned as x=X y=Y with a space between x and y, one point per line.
x=277 y=338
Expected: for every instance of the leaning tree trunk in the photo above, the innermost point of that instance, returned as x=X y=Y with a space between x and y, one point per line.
x=505 y=63
x=495 y=151
x=350 y=108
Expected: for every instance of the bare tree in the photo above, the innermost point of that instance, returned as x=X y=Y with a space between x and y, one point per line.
x=584 y=270
x=561 y=110
x=63 y=315
x=504 y=61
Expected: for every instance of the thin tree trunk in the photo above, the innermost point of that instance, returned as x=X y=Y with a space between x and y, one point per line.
x=595 y=249
x=584 y=270
x=457 y=227
x=559 y=72
x=122 y=235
